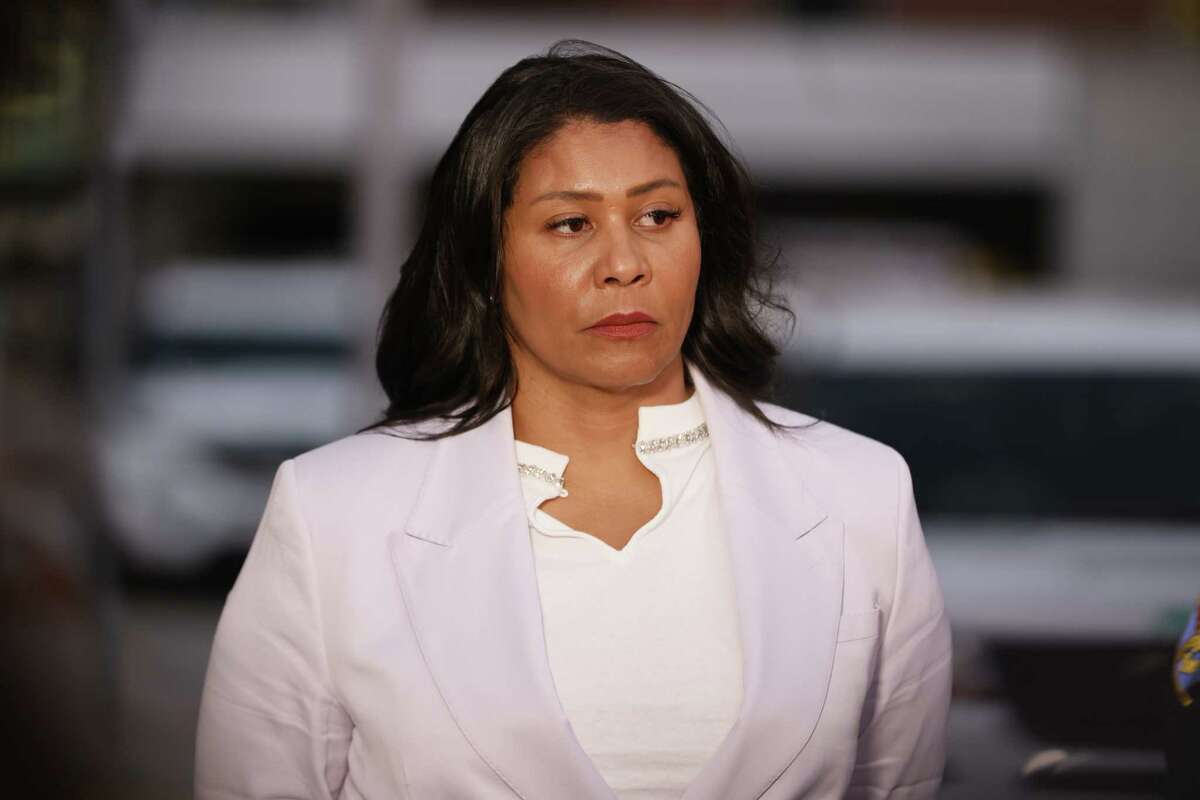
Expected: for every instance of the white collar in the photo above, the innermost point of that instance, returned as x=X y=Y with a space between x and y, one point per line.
x=671 y=459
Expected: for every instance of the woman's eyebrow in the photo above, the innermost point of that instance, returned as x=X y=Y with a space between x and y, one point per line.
x=641 y=188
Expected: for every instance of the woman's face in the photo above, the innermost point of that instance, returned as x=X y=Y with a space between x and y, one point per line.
x=601 y=223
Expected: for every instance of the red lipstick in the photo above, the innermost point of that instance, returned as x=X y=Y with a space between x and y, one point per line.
x=624 y=326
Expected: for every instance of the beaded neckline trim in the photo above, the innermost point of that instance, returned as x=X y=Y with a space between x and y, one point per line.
x=642 y=446
x=545 y=475
x=671 y=442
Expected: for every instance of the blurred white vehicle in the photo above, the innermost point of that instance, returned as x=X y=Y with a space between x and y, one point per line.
x=240 y=366
x=1053 y=444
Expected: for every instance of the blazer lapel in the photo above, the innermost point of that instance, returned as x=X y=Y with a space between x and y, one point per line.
x=466 y=571
x=786 y=551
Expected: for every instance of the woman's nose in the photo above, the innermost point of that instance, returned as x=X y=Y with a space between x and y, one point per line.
x=622 y=262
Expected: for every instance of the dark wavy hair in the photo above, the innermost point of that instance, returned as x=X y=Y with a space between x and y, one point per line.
x=442 y=350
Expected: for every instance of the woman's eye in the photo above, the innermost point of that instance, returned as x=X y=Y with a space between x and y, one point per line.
x=571 y=224
x=659 y=216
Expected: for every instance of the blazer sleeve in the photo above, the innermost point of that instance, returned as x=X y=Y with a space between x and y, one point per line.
x=269 y=725
x=902 y=737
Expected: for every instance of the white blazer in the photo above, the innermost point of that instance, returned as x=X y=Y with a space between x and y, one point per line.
x=383 y=639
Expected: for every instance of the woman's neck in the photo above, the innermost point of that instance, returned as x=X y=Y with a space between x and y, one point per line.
x=583 y=420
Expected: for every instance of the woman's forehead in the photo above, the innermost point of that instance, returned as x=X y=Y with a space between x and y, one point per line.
x=597 y=156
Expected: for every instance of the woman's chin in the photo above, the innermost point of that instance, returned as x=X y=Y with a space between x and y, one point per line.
x=627 y=370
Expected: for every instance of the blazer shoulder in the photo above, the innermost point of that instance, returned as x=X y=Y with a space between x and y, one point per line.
x=837 y=446
x=362 y=474
x=347 y=458
x=861 y=478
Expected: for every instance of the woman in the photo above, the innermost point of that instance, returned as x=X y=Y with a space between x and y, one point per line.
x=719 y=598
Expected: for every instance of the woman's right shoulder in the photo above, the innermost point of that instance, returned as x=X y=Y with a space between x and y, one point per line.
x=353 y=457
x=374 y=473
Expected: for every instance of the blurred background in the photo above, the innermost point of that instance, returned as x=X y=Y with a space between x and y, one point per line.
x=987 y=219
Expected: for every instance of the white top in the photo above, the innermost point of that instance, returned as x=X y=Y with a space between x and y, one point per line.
x=643 y=642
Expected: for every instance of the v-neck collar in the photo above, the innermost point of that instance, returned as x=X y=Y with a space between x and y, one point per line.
x=674 y=468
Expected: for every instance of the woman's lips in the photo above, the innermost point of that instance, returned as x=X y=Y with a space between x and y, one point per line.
x=624 y=325
x=631 y=330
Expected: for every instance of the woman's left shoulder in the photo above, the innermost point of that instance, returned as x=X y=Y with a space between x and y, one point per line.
x=861 y=477
x=834 y=446
x=866 y=485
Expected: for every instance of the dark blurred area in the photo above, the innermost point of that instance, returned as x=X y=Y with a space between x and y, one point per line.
x=985 y=215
